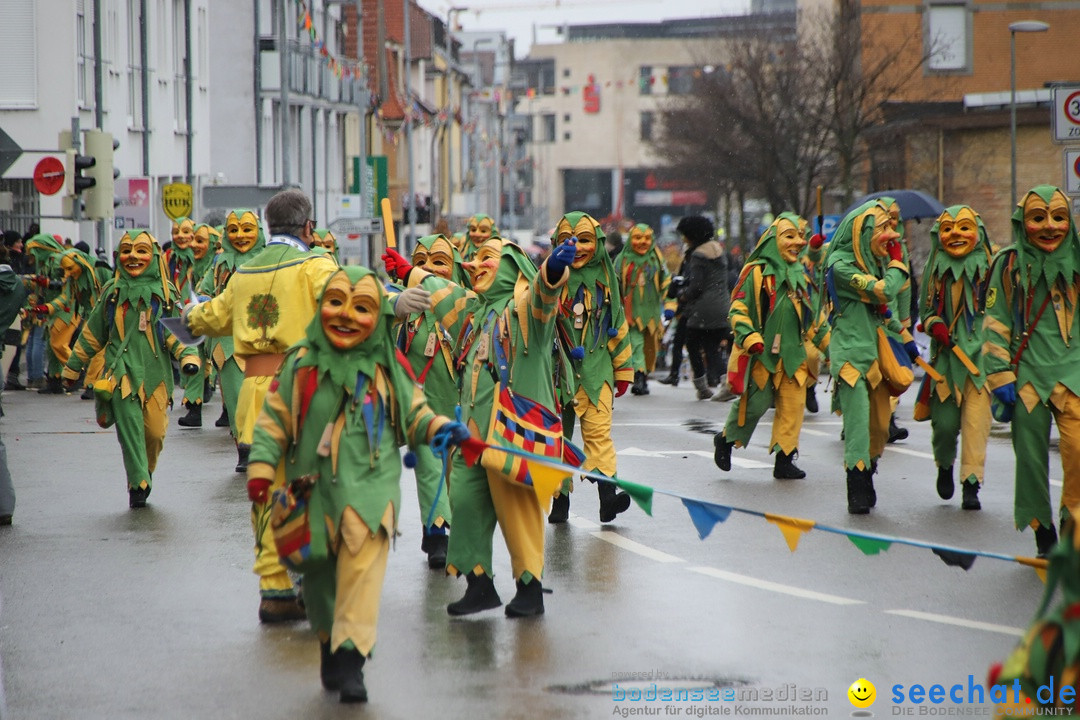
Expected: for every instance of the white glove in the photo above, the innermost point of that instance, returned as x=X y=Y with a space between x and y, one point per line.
x=412 y=300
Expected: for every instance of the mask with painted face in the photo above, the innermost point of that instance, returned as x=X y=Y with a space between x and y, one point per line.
x=437 y=259
x=242 y=232
x=958 y=236
x=135 y=255
x=484 y=266
x=325 y=239
x=350 y=313
x=200 y=242
x=1046 y=223
x=641 y=239
x=71 y=268
x=789 y=241
x=481 y=228
x=884 y=233
x=585 y=232
x=184 y=233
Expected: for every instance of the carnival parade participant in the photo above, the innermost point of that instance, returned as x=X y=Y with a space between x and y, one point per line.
x=480 y=229
x=1032 y=363
x=192 y=264
x=77 y=297
x=429 y=348
x=135 y=390
x=771 y=316
x=243 y=240
x=263 y=309
x=339 y=409
x=595 y=338
x=952 y=313
x=902 y=306
x=506 y=326
x=325 y=239
x=644 y=282
x=863 y=275
x=59 y=327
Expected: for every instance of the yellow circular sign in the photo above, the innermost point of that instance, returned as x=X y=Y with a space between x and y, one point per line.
x=862 y=693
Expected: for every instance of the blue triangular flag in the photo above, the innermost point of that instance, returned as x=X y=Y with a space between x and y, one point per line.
x=705 y=515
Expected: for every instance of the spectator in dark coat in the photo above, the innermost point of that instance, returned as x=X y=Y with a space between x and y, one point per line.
x=704 y=302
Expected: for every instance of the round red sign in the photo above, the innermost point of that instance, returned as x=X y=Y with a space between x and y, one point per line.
x=49 y=176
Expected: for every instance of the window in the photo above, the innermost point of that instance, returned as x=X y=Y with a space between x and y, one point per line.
x=566 y=136
x=566 y=72
x=566 y=117
x=648 y=118
x=547 y=127
x=180 y=24
x=19 y=86
x=947 y=38
x=82 y=83
x=202 y=55
x=645 y=80
x=681 y=79
x=134 y=66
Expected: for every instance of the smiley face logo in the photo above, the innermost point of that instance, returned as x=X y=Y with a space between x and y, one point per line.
x=862 y=693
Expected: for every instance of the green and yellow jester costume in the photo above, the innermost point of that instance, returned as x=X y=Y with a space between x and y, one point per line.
x=595 y=337
x=191 y=265
x=60 y=326
x=243 y=240
x=643 y=281
x=323 y=240
x=863 y=276
x=136 y=388
x=342 y=404
x=1032 y=362
x=77 y=298
x=772 y=318
x=480 y=229
x=951 y=309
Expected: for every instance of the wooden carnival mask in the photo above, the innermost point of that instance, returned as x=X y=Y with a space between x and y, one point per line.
x=350 y=313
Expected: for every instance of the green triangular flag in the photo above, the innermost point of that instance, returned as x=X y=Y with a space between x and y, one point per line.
x=869 y=546
x=641 y=494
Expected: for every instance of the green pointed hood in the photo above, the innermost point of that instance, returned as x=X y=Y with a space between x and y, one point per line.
x=851 y=241
x=46 y=252
x=971 y=269
x=650 y=258
x=1063 y=263
x=457 y=275
x=515 y=271
x=140 y=291
x=768 y=253
x=599 y=269
x=229 y=255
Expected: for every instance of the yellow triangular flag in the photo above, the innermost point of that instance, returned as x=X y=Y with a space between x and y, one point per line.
x=792 y=528
x=546 y=482
x=1038 y=564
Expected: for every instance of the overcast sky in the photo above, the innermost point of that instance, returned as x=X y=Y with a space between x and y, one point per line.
x=520 y=17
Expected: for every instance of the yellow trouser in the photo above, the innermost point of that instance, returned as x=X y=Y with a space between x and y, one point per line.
x=140 y=430
x=248 y=405
x=60 y=334
x=361 y=569
x=970 y=420
x=272 y=574
x=596 y=430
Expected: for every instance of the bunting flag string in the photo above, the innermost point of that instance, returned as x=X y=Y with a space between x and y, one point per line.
x=340 y=68
x=706 y=515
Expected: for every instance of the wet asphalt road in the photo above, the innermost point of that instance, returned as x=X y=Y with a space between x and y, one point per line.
x=112 y=613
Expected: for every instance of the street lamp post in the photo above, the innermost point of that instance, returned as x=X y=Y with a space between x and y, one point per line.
x=1026 y=26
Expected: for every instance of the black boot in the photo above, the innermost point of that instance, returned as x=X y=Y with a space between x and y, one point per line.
x=640 y=386
x=895 y=431
x=560 y=509
x=528 y=601
x=223 y=421
x=672 y=378
x=785 y=468
x=137 y=497
x=52 y=386
x=87 y=393
x=811 y=399
x=193 y=417
x=207 y=390
x=945 y=482
x=435 y=545
x=858 y=497
x=702 y=385
x=350 y=665
x=242 y=452
x=1045 y=540
x=329 y=672
x=970 y=491
x=479 y=595
x=611 y=502
x=722 y=452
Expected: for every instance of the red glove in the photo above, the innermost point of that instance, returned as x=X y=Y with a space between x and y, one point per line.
x=939 y=332
x=756 y=349
x=396 y=264
x=41 y=309
x=816 y=241
x=258 y=489
x=41 y=280
x=895 y=251
x=620 y=387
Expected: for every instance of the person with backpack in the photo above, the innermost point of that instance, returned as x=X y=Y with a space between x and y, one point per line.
x=705 y=302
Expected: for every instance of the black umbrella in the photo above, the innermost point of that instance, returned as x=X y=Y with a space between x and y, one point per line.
x=914 y=204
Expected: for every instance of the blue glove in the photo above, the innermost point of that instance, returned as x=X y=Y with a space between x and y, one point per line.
x=560 y=258
x=452 y=433
x=669 y=313
x=912 y=349
x=1006 y=393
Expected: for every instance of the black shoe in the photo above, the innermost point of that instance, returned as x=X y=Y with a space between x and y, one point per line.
x=858 y=496
x=722 y=452
x=52 y=386
x=945 y=483
x=350 y=665
x=529 y=600
x=672 y=379
x=223 y=421
x=785 y=468
x=137 y=497
x=896 y=432
x=207 y=390
x=1045 y=540
x=87 y=393
x=435 y=545
x=811 y=399
x=329 y=672
x=970 y=499
x=560 y=509
x=193 y=417
x=640 y=386
x=479 y=595
x=14 y=384
x=611 y=502
x=242 y=452
x=281 y=609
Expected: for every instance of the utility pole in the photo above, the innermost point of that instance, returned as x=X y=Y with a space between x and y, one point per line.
x=408 y=125
x=362 y=104
x=99 y=111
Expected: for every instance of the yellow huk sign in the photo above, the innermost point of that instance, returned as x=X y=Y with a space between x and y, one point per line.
x=176 y=200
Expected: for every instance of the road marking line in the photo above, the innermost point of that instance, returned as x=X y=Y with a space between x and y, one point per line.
x=775 y=587
x=961 y=622
x=905 y=451
x=819 y=433
x=1056 y=483
x=580 y=522
x=646 y=424
x=635 y=547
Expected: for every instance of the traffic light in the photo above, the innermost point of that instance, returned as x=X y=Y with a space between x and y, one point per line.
x=100 y=146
